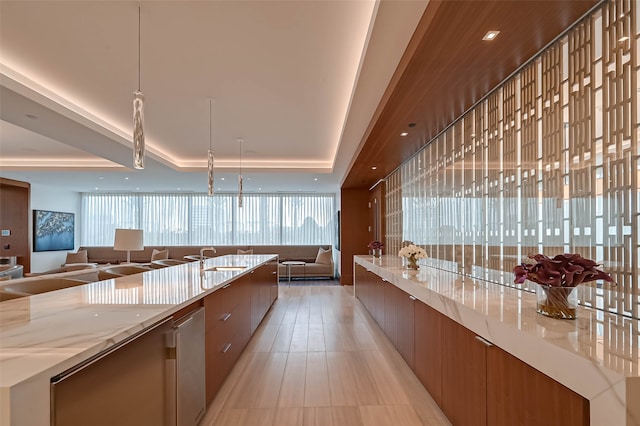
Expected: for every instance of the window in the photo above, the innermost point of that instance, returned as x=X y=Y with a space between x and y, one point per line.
x=197 y=219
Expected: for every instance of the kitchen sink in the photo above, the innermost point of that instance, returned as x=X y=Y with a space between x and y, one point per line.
x=226 y=268
x=28 y=288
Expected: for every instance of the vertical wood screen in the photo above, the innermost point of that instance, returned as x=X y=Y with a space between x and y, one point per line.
x=548 y=162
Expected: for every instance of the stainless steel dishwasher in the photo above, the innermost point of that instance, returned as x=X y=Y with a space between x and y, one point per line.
x=125 y=385
x=187 y=385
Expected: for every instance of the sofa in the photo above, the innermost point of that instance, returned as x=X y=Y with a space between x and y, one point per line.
x=302 y=253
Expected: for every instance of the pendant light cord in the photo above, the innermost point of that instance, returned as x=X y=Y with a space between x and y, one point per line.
x=139 y=38
x=210 y=124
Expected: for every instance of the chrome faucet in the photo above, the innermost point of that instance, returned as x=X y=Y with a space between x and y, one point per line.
x=202 y=250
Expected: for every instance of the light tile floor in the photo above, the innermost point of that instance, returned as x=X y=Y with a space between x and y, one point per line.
x=318 y=358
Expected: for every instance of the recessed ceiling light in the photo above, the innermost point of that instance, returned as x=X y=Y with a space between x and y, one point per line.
x=31 y=116
x=490 y=35
x=373 y=167
x=404 y=134
x=100 y=177
x=259 y=189
x=126 y=178
x=137 y=189
x=316 y=179
x=221 y=178
x=178 y=189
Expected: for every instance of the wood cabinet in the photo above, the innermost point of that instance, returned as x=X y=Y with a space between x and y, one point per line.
x=370 y=290
x=406 y=326
x=428 y=349
x=360 y=284
x=464 y=375
x=233 y=313
x=224 y=332
x=473 y=381
x=390 y=299
x=263 y=295
x=518 y=394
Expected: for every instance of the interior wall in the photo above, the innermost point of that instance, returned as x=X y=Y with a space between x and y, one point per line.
x=54 y=199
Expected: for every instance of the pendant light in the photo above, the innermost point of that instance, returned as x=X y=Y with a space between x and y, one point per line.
x=210 y=158
x=240 y=176
x=138 y=116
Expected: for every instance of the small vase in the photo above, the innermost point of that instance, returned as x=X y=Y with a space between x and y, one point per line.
x=376 y=252
x=557 y=301
x=412 y=263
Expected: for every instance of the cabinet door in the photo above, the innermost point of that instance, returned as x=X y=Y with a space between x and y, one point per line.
x=518 y=394
x=428 y=349
x=391 y=298
x=376 y=295
x=273 y=282
x=243 y=311
x=256 y=303
x=262 y=281
x=218 y=334
x=464 y=375
x=361 y=285
x=406 y=327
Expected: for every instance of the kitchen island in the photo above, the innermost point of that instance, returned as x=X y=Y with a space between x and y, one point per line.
x=44 y=335
x=482 y=351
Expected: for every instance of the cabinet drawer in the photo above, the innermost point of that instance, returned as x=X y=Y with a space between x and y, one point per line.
x=220 y=362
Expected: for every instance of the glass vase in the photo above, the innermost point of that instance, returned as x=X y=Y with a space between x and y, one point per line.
x=412 y=263
x=557 y=301
x=376 y=252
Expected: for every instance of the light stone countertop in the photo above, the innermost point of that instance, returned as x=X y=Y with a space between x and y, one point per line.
x=45 y=334
x=597 y=355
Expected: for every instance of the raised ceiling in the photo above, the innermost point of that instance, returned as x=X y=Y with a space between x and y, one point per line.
x=309 y=85
x=447 y=68
x=297 y=80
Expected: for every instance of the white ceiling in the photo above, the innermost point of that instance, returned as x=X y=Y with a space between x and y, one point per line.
x=297 y=80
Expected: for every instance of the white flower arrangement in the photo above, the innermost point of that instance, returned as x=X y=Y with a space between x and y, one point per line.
x=413 y=251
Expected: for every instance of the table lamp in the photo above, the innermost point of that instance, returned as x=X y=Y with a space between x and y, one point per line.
x=128 y=240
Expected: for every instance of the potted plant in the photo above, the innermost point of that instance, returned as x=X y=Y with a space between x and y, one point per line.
x=412 y=253
x=556 y=280
x=375 y=248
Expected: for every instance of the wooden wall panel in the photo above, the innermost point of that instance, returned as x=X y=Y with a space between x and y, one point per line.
x=14 y=216
x=447 y=68
x=354 y=234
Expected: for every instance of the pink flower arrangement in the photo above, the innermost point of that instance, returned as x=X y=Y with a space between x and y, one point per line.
x=563 y=270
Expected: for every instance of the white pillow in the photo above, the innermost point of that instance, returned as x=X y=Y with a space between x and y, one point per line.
x=79 y=257
x=324 y=257
x=159 y=254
